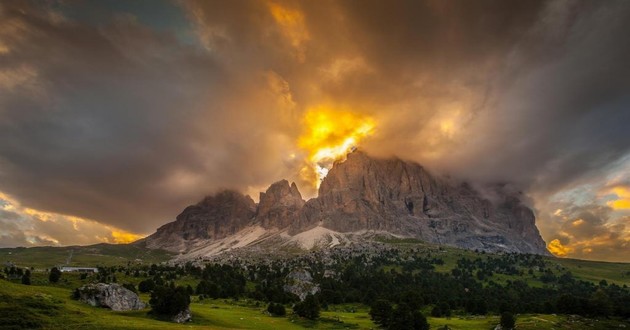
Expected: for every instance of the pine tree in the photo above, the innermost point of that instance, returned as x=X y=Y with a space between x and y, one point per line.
x=381 y=312
x=507 y=320
x=309 y=308
x=55 y=275
x=26 y=278
x=169 y=301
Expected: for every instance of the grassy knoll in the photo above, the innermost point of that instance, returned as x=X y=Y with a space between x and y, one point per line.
x=92 y=255
x=592 y=271
x=595 y=271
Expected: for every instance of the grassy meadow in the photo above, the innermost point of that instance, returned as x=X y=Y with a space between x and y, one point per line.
x=43 y=305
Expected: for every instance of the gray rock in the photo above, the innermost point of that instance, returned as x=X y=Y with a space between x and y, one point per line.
x=279 y=206
x=403 y=198
x=213 y=218
x=366 y=194
x=183 y=316
x=112 y=296
x=300 y=283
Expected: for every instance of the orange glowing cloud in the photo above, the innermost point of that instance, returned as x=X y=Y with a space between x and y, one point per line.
x=558 y=249
x=123 y=237
x=41 y=227
x=292 y=26
x=622 y=202
x=329 y=134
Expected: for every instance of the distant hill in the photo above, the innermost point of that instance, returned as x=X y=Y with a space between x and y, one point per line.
x=91 y=255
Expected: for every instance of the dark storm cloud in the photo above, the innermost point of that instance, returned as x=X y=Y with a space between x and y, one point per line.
x=126 y=123
x=106 y=122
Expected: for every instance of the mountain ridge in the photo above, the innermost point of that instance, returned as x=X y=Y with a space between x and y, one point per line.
x=360 y=197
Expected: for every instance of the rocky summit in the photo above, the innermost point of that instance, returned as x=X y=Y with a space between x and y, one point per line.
x=360 y=198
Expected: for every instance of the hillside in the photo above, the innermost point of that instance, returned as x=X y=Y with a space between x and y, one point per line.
x=91 y=255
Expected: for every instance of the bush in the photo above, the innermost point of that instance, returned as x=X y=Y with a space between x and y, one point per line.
x=146 y=286
x=381 y=312
x=507 y=320
x=26 y=278
x=169 y=301
x=130 y=287
x=276 y=309
x=403 y=317
x=436 y=311
x=309 y=308
x=55 y=275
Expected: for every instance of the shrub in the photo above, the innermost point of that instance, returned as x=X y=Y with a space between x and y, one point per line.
x=276 y=309
x=507 y=320
x=146 y=285
x=403 y=317
x=55 y=275
x=381 y=312
x=169 y=301
x=309 y=308
x=130 y=287
x=26 y=278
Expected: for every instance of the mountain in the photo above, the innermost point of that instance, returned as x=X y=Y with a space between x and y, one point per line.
x=360 y=198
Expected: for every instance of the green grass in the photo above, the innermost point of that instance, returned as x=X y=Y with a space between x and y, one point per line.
x=49 y=307
x=88 y=256
x=595 y=271
x=46 y=307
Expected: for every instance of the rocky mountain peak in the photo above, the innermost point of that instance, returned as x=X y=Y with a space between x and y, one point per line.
x=279 y=205
x=214 y=217
x=363 y=194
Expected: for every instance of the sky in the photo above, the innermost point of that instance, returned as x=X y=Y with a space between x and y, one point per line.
x=115 y=115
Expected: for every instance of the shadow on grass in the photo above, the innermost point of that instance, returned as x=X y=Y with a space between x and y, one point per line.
x=325 y=322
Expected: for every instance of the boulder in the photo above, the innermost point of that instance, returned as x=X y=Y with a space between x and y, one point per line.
x=183 y=316
x=112 y=296
x=300 y=283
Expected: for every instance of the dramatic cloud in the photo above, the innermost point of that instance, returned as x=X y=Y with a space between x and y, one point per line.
x=126 y=115
x=23 y=226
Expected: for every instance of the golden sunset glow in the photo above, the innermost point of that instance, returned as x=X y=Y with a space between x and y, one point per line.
x=329 y=134
x=122 y=237
x=75 y=229
x=292 y=26
x=623 y=198
x=577 y=222
x=558 y=249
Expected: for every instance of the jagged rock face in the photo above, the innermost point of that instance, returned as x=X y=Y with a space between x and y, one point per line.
x=363 y=193
x=112 y=296
x=280 y=205
x=215 y=217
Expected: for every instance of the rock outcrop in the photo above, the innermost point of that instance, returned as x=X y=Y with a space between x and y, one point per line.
x=300 y=283
x=280 y=205
x=183 y=316
x=359 y=195
x=402 y=198
x=213 y=218
x=112 y=296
